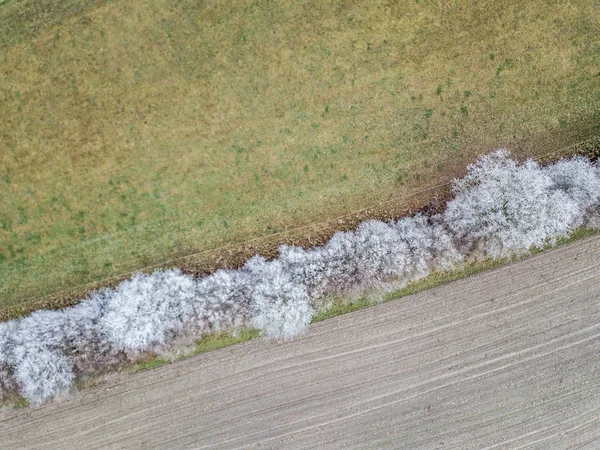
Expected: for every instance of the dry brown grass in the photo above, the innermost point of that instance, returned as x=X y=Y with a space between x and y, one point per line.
x=134 y=132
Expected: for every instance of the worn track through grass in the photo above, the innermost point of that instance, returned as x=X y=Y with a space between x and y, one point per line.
x=138 y=132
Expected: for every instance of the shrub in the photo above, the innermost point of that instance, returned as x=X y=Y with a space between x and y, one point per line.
x=340 y=261
x=579 y=179
x=306 y=268
x=502 y=208
x=148 y=310
x=222 y=302
x=380 y=252
x=7 y=382
x=280 y=307
x=40 y=366
x=430 y=246
x=84 y=335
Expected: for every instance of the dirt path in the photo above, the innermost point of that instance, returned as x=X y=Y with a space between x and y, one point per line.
x=509 y=358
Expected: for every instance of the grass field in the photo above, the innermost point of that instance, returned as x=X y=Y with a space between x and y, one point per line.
x=134 y=132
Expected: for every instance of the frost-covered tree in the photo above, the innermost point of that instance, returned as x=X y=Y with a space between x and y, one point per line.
x=39 y=364
x=430 y=246
x=281 y=308
x=85 y=340
x=222 y=301
x=7 y=382
x=503 y=207
x=306 y=268
x=380 y=252
x=341 y=264
x=148 y=310
x=579 y=179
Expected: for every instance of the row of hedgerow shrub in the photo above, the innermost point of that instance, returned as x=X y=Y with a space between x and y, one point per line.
x=500 y=208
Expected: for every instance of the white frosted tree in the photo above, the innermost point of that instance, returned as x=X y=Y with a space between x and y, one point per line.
x=40 y=366
x=429 y=246
x=281 y=308
x=148 y=310
x=84 y=335
x=579 y=179
x=502 y=207
x=222 y=301
x=7 y=382
x=306 y=268
x=381 y=252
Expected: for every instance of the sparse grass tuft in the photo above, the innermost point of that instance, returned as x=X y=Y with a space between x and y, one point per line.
x=13 y=400
x=208 y=343
x=21 y=403
x=150 y=362
x=214 y=342
x=342 y=306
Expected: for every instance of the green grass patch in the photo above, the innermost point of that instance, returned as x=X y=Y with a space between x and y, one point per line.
x=222 y=340
x=340 y=307
x=437 y=279
x=208 y=343
x=13 y=401
x=581 y=233
x=151 y=362
x=21 y=403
